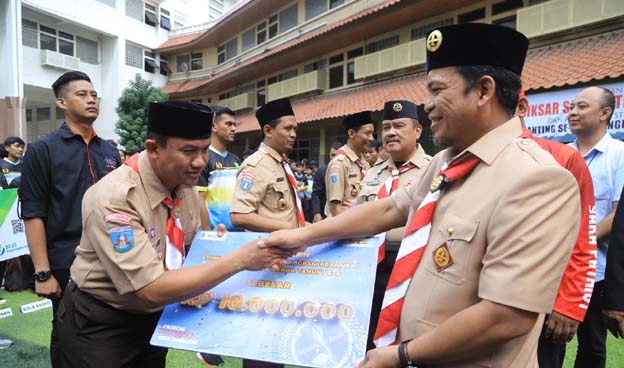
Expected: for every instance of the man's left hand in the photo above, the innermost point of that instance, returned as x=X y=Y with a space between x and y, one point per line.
x=386 y=357
x=220 y=229
x=615 y=322
x=560 y=329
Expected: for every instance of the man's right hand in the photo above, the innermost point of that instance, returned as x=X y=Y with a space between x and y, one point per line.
x=48 y=288
x=255 y=258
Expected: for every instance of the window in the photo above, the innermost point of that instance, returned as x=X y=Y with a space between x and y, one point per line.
x=29 y=33
x=273 y=30
x=261 y=33
x=29 y=115
x=317 y=65
x=249 y=39
x=134 y=9
x=506 y=22
x=342 y=68
x=336 y=59
x=165 y=20
x=134 y=56
x=471 y=16
x=66 y=43
x=86 y=50
x=335 y=3
x=382 y=44
x=196 y=61
x=149 y=63
x=180 y=19
x=314 y=8
x=227 y=51
x=506 y=6
x=260 y=93
x=336 y=78
x=423 y=31
x=288 y=18
x=109 y=2
x=272 y=80
x=182 y=63
x=287 y=75
x=164 y=65
x=43 y=113
x=150 y=15
x=47 y=38
x=352 y=54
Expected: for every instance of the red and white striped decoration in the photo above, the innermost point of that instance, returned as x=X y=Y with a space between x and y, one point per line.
x=174 y=251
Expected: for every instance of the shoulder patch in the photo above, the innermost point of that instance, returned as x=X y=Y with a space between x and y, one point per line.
x=246 y=184
x=122 y=238
x=333 y=178
x=248 y=174
x=117 y=217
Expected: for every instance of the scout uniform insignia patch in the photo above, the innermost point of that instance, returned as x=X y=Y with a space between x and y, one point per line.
x=442 y=257
x=246 y=184
x=437 y=181
x=434 y=41
x=122 y=238
x=333 y=178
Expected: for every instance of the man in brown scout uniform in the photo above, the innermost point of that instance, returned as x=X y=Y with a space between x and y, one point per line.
x=346 y=171
x=400 y=133
x=266 y=197
x=491 y=223
x=136 y=223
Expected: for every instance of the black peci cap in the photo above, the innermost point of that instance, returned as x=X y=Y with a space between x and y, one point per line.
x=274 y=110
x=476 y=44
x=358 y=119
x=399 y=109
x=181 y=119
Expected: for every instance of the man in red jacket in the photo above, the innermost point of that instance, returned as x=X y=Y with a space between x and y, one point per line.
x=577 y=283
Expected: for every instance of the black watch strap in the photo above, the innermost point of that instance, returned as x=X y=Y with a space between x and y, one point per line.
x=42 y=276
x=404 y=358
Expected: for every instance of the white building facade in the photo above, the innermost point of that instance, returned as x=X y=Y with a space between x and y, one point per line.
x=110 y=40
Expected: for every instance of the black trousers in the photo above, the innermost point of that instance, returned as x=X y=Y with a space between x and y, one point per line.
x=62 y=277
x=592 y=334
x=93 y=334
x=549 y=353
x=384 y=269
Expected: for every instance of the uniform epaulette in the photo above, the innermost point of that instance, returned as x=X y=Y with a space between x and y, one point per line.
x=120 y=188
x=380 y=166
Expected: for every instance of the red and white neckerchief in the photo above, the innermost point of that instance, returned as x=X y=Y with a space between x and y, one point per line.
x=174 y=252
x=293 y=185
x=174 y=249
x=358 y=162
x=390 y=185
x=412 y=247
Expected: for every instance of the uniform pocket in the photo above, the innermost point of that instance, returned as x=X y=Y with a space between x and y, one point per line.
x=278 y=196
x=454 y=233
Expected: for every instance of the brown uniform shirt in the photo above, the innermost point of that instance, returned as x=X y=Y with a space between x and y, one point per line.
x=128 y=204
x=377 y=176
x=342 y=179
x=510 y=226
x=262 y=187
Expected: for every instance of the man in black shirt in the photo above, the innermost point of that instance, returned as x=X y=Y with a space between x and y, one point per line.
x=57 y=171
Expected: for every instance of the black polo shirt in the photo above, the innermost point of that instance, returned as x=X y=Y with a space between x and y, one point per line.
x=57 y=171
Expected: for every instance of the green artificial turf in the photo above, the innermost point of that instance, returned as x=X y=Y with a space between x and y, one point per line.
x=31 y=334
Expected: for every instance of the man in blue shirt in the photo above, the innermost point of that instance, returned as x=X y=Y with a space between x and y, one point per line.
x=57 y=171
x=588 y=118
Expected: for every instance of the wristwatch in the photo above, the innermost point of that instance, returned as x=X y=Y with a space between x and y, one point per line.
x=42 y=276
x=404 y=358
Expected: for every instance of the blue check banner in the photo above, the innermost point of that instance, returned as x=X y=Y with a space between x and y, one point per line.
x=313 y=312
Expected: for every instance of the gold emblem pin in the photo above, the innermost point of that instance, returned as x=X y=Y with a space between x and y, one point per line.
x=281 y=204
x=450 y=231
x=434 y=41
x=442 y=257
x=397 y=107
x=176 y=212
x=437 y=181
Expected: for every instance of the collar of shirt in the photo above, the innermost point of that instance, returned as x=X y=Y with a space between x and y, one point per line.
x=417 y=158
x=601 y=146
x=350 y=153
x=222 y=154
x=488 y=147
x=273 y=153
x=66 y=132
x=154 y=187
x=11 y=162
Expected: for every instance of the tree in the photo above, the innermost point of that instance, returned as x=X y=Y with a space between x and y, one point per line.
x=132 y=108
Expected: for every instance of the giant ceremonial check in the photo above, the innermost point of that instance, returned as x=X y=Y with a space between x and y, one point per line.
x=548 y=111
x=12 y=236
x=314 y=312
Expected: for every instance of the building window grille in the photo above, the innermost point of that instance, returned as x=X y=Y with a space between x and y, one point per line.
x=47 y=38
x=134 y=9
x=29 y=33
x=288 y=18
x=231 y=49
x=273 y=27
x=261 y=33
x=29 y=115
x=134 y=56
x=87 y=50
x=386 y=43
x=43 y=113
x=66 y=43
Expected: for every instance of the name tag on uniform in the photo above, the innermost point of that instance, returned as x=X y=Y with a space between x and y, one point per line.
x=280 y=179
x=353 y=175
x=373 y=183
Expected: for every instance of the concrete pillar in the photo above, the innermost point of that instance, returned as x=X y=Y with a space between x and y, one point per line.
x=12 y=117
x=322 y=149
